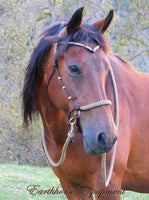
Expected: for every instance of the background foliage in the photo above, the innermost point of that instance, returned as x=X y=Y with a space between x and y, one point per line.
x=21 y=23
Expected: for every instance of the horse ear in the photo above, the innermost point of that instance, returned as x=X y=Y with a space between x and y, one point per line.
x=75 y=21
x=104 y=23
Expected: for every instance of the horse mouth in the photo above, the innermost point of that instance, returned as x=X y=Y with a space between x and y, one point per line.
x=93 y=150
x=88 y=149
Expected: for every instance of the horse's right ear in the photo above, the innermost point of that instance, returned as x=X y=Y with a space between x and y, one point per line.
x=104 y=23
x=75 y=21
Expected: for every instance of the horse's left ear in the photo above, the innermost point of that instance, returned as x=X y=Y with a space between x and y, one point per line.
x=75 y=21
x=104 y=23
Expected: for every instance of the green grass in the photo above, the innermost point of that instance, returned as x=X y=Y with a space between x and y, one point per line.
x=14 y=180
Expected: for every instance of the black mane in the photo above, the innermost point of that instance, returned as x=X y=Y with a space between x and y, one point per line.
x=87 y=33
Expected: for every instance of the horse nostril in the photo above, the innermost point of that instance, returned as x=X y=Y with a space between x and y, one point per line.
x=101 y=140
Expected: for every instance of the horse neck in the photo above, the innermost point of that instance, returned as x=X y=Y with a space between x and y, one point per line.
x=129 y=84
x=124 y=73
x=125 y=77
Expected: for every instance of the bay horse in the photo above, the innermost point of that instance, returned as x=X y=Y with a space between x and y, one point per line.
x=68 y=79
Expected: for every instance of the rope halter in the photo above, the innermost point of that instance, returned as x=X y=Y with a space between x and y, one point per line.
x=76 y=114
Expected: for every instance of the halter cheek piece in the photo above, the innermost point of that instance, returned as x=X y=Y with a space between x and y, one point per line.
x=75 y=113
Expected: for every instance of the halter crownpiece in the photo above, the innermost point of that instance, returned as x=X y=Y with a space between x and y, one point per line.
x=92 y=50
x=72 y=120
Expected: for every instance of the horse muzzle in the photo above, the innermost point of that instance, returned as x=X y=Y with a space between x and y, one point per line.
x=99 y=143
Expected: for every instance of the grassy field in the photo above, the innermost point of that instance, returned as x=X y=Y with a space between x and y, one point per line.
x=14 y=180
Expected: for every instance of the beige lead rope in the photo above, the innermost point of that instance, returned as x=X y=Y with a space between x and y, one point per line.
x=71 y=134
x=72 y=121
x=103 y=162
x=63 y=155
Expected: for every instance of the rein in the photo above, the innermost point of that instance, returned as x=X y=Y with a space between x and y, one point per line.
x=76 y=114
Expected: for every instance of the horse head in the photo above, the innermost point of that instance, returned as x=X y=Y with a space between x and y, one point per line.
x=78 y=53
x=83 y=74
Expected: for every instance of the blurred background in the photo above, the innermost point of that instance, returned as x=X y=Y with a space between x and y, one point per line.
x=21 y=23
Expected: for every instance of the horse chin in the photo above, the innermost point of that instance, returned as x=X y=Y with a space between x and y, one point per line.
x=88 y=149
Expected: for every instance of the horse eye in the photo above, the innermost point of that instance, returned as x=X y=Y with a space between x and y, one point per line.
x=74 y=69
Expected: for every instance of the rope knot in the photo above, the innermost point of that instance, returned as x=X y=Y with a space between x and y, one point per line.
x=70 y=134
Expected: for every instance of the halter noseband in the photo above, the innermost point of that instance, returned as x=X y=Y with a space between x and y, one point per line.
x=76 y=114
